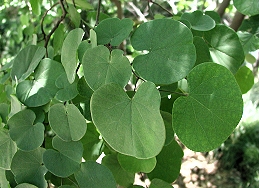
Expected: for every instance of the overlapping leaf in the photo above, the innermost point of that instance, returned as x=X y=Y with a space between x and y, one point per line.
x=66 y=159
x=225 y=47
x=67 y=122
x=130 y=126
x=102 y=67
x=42 y=89
x=245 y=79
x=248 y=7
x=26 y=61
x=27 y=135
x=171 y=53
x=214 y=107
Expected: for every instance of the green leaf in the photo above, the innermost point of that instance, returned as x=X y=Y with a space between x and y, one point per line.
x=249 y=41
x=221 y=40
x=158 y=183
x=199 y=21
x=121 y=176
x=113 y=30
x=66 y=160
x=33 y=170
x=132 y=164
x=245 y=79
x=58 y=38
x=166 y=90
x=130 y=126
x=42 y=89
x=25 y=185
x=94 y=175
x=168 y=42
x=3 y=181
x=7 y=149
x=69 y=52
x=36 y=6
x=83 y=46
x=82 y=4
x=67 y=91
x=74 y=15
x=102 y=67
x=251 y=24
x=83 y=88
x=214 y=15
x=4 y=111
x=207 y=116
x=167 y=117
x=26 y=61
x=202 y=51
x=67 y=122
x=168 y=163
x=248 y=7
x=27 y=135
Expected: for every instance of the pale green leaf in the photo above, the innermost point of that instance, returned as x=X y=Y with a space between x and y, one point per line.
x=247 y=7
x=245 y=79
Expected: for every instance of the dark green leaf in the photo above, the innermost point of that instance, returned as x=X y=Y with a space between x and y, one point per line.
x=25 y=185
x=94 y=175
x=42 y=89
x=245 y=79
x=133 y=165
x=130 y=126
x=58 y=38
x=66 y=160
x=26 y=61
x=167 y=117
x=33 y=170
x=83 y=88
x=67 y=122
x=199 y=21
x=248 y=7
x=166 y=90
x=202 y=51
x=7 y=149
x=102 y=67
x=168 y=163
x=250 y=24
x=158 y=183
x=82 y=48
x=214 y=15
x=214 y=107
x=27 y=135
x=4 y=111
x=221 y=40
x=168 y=42
x=249 y=41
x=121 y=176
x=113 y=30
x=69 y=52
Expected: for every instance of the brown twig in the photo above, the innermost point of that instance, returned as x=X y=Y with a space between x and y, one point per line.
x=98 y=12
x=47 y=37
x=151 y=1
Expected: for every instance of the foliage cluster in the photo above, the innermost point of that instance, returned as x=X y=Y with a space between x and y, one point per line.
x=71 y=93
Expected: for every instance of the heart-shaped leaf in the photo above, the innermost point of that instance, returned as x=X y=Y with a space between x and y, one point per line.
x=199 y=21
x=214 y=107
x=248 y=7
x=31 y=163
x=94 y=175
x=26 y=61
x=113 y=30
x=221 y=40
x=67 y=122
x=134 y=165
x=245 y=79
x=66 y=160
x=130 y=126
x=27 y=135
x=102 y=67
x=42 y=89
x=171 y=53
x=7 y=149
x=168 y=163
x=69 y=52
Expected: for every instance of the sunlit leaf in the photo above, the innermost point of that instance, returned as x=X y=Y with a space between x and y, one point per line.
x=245 y=79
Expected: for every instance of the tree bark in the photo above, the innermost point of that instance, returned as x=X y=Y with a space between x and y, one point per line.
x=237 y=20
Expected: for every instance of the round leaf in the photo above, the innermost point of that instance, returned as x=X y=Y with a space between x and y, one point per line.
x=171 y=53
x=26 y=61
x=207 y=116
x=130 y=126
x=221 y=40
x=157 y=183
x=199 y=21
x=247 y=7
x=94 y=175
x=69 y=52
x=66 y=160
x=42 y=89
x=67 y=122
x=132 y=164
x=245 y=79
x=7 y=149
x=27 y=135
x=25 y=185
x=32 y=169
x=113 y=30
x=102 y=67
x=168 y=163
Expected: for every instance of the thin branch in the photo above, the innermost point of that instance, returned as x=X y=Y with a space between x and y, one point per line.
x=151 y=1
x=222 y=7
x=173 y=92
x=98 y=12
x=47 y=38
